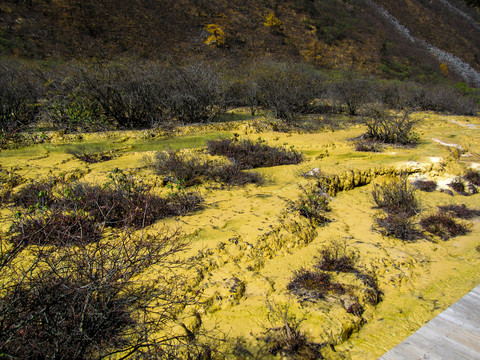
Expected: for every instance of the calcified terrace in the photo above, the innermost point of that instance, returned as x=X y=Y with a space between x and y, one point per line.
x=248 y=241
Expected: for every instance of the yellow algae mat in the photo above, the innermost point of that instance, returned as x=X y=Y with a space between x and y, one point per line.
x=248 y=242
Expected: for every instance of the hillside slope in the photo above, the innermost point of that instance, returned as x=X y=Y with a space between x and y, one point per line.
x=332 y=34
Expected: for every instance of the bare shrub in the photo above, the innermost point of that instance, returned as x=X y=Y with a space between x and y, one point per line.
x=19 y=93
x=314 y=285
x=335 y=257
x=125 y=202
x=248 y=154
x=234 y=175
x=443 y=226
x=71 y=104
x=126 y=92
x=92 y=300
x=399 y=225
x=193 y=170
x=193 y=93
x=396 y=196
x=284 y=336
x=390 y=128
x=443 y=98
x=353 y=92
x=459 y=211
x=55 y=228
x=286 y=89
x=425 y=185
x=472 y=176
x=180 y=168
x=458 y=185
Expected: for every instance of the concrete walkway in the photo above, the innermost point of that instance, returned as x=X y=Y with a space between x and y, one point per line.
x=454 y=334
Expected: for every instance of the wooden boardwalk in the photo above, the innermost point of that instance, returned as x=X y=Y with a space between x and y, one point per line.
x=453 y=334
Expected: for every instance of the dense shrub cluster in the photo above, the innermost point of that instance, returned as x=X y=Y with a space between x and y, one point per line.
x=398 y=225
x=425 y=185
x=37 y=194
x=123 y=201
x=442 y=98
x=287 y=89
x=443 y=225
x=459 y=211
x=389 y=128
x=71 y=290
x=249 y=154
x=55 y=228
x=353 y=92
x=396 y=197
x=188 y=171
x=87 y=301
x=336 y=258
x=473 y=177
x=127 y=94
x=285 y=338
x=314 y=285
x=458 y=185
x=19 y=94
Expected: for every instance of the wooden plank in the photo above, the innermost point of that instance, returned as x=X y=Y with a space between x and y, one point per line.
x=453 y=334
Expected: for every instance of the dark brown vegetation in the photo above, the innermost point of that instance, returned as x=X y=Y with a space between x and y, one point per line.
x=37 y=194
x=313 y=204
x=284 y=336
x=123 y=201
x=398 y=225
x=87 y=301
x=425 y=185
x=390 y=128
x=458 y=185
x=71 y=290
x=188 y=171
x=55 y=228
x=144 y=94
x=459 y=211
x=443 y=225
x=313 y=285
x=248 y=154
x=336 y=258
x=396 y=196
x=472 y=176
x=19 y=94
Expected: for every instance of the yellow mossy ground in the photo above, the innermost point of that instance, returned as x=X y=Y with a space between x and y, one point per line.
x=418 y=279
